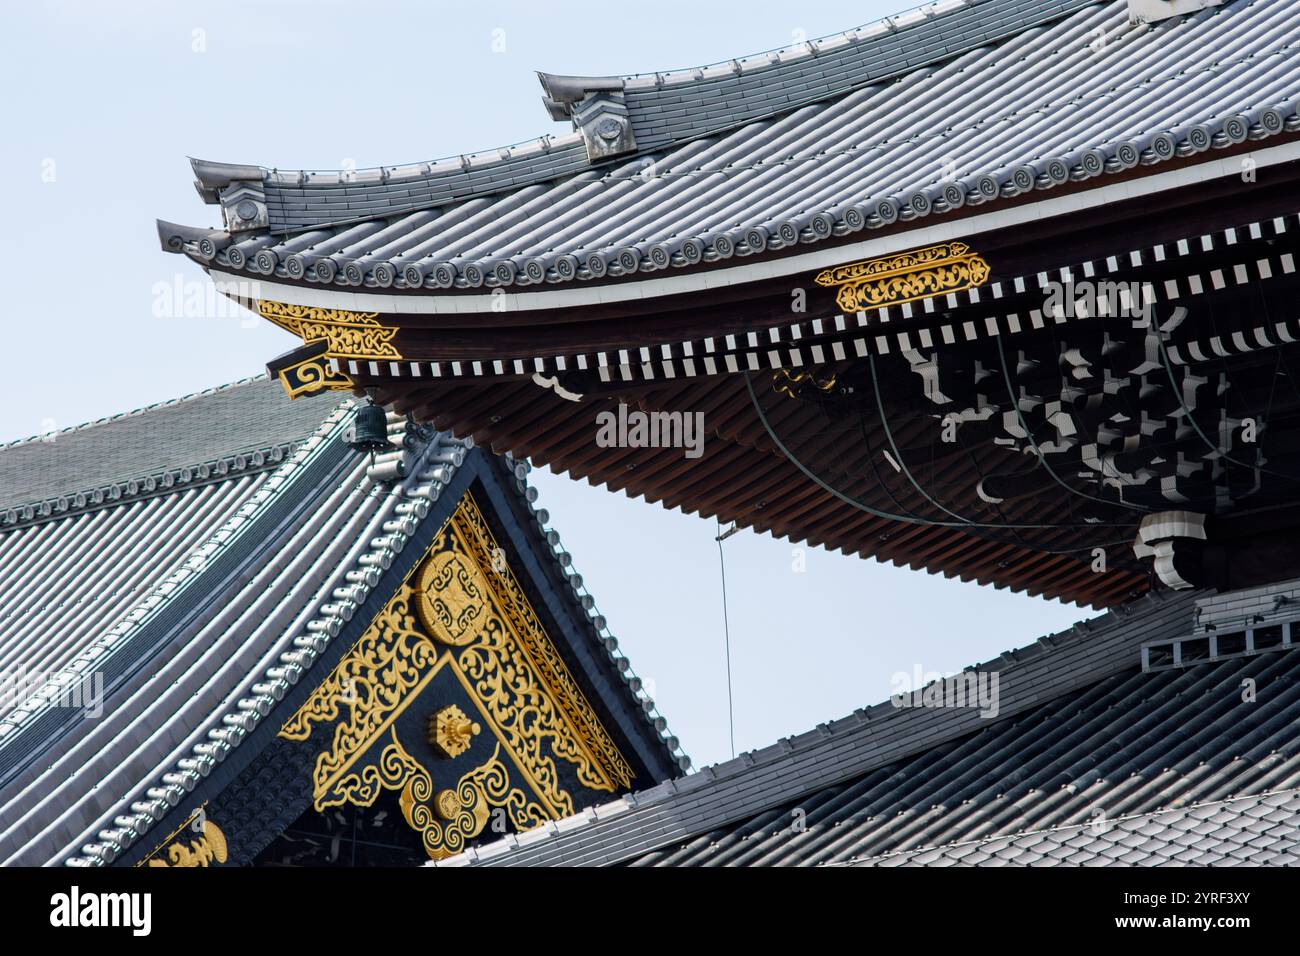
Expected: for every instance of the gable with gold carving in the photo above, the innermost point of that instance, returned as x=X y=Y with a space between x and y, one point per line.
x=456 y=701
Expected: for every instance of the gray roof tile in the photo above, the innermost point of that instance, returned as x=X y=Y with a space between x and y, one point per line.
x=995 y=793
x=723 y=164
x=188 y=431
x=181 y=596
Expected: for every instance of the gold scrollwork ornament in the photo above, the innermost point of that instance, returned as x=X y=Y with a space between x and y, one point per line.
x=466 y=808
x=357 y=335
x=905 y=276
x=311 y=377
x=499 y=652
x=789 y=384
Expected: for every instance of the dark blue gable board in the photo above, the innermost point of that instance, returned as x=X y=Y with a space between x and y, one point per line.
x=269 y=779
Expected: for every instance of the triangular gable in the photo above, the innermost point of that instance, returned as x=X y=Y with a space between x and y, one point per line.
x=469 y=697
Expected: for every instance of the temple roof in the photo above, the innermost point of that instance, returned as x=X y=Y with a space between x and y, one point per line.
x=838 y=254
x=1255 y=830
x=1093 y=756
x=216 y=425
x=954 y=105
x=197 y=557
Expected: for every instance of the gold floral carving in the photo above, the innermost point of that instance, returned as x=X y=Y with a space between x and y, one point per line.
x=356 y=335
x=499 y=652
x=208 y=848
x=510 y=663
x=451 y=732
x=789 y=383
x=905 y=277
x=373 y=683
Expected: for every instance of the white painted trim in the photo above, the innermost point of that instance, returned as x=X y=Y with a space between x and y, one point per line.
x=942 y=231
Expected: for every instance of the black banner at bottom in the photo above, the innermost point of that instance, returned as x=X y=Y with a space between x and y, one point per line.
x=226 y=907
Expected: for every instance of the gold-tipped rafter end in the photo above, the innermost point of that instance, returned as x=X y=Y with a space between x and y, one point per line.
x=311 y=376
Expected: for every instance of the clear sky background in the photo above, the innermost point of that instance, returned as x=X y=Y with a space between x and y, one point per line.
x=102 y=104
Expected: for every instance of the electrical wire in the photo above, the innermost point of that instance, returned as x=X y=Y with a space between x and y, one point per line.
x=1015 y=404
x=1187 y=413
x=726 y=631
x=875 y=468
x=898 y=456
x=912 y=519
x=902 y=466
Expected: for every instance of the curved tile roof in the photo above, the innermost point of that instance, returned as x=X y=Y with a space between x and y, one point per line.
x=1134 y=743
x=1084 y=739
x=1256 y=830
x=184 y=644
x=173 y=443
x=668 y=108
x=665 y=108
x=66 y=582
x=199 y=605
x=1081 y=94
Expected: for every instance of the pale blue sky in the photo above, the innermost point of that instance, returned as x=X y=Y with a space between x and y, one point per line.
x=103 y=104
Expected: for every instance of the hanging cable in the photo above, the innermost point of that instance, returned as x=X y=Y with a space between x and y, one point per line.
x=875 y=468
x=974 y=461
x=726 y=631
x=898 y=455
x=912 y=519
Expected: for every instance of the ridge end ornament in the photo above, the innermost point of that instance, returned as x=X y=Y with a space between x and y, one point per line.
x=905 y=276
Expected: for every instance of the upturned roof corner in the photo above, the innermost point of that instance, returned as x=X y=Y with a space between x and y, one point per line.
x=237 y=189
